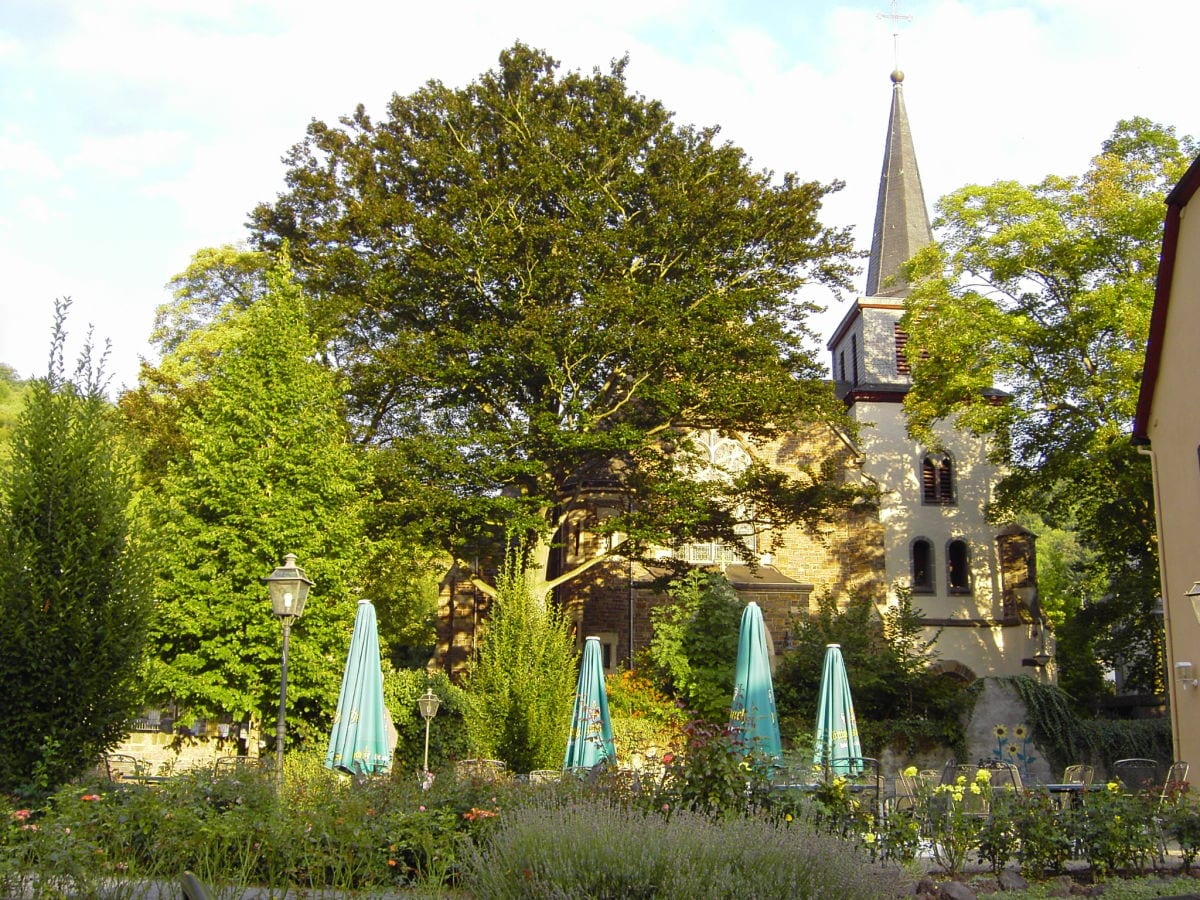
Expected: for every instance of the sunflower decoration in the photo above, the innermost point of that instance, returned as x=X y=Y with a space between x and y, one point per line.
x=1000 y=731
x=1021 y=732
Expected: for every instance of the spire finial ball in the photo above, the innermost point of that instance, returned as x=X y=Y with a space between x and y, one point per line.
x=897 y=76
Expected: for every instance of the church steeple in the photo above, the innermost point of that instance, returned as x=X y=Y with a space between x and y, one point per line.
x=901 y=220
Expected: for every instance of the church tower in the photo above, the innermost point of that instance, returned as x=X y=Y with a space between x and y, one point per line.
x=973 y=581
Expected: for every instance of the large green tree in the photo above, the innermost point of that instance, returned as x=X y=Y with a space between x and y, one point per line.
x=259 y=465
x=537 y=283
x=73 y=597
x=1045 y=290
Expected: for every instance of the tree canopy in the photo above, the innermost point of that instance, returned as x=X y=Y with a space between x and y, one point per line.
x=537 y=283
x=1045 y=290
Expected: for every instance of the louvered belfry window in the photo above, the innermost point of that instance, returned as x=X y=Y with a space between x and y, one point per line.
x=937 y=480
x=902 y=367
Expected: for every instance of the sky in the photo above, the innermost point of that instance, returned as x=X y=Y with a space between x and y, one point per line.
x=135 y=132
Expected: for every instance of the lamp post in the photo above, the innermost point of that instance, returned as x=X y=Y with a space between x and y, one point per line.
x=288 y=587
x=428 y=703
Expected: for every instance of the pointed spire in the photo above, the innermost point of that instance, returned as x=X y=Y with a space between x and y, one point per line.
x=901 y=220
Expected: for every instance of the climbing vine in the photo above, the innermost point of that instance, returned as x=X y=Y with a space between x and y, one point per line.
x=1066 y=738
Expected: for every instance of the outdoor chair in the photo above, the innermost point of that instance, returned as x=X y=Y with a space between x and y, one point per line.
x=907 y=792
x=1004 y=774
x=1173 y=786
x=123 y=767
x=864 y=775
x=949 y=772
x=479 y=769
x=1136 y=775
x=1078 y=774
x=232 y=765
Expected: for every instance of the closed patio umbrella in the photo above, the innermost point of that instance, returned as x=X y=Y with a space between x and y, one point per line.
x=591 y=739
x=752 y=717
x=837 y=731
x=359 y=742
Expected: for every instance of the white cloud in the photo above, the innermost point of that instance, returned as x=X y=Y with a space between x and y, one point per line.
x=22 y=157
x=163 y=124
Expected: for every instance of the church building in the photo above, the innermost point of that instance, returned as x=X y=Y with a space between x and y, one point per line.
x=974 y=582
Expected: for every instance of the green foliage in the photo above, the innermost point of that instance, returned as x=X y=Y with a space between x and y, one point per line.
x=642 y=716
x=1066 y=737
x=260 y=466
x=898 y=701
x=599 y=849
x=447 y=730
x=710 y=774
x=536 y=280
x=12 y=399
x=693 y=650
x=1046 y=290
x=521 y=685
x=73 y=596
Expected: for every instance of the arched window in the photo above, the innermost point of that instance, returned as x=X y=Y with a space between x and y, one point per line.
x=958 y=567
x=937 y=480
x=922 y=566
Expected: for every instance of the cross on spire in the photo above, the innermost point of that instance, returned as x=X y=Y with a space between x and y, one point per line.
x=896 y=18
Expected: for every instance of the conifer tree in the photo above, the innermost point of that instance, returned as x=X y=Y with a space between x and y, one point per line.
x=73 y=601
x=261 y=466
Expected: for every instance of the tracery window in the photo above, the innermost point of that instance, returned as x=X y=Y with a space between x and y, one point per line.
x=721 y=458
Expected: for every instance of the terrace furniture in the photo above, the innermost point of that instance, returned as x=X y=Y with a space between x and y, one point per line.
x=1136 y=775
x=1004 y=774
x=862 y=774
x=479 y=769
x=120 y=767
x=232 y=765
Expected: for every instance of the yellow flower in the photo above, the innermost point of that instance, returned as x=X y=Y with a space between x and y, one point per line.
x=1113 y=787
x=1000 y=731
x=983 y=776
x=1021 y=732
x=961 y=779
x=868 y=838
x=1013 y=750
x=975 y=789
x=910 y=772
x=788 y=817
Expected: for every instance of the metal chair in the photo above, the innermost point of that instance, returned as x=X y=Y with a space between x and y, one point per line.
x=123 y=767
x=232 y=765
x=1136 y=775
x=863 y=773
x=479 y=769
x=1078 y=774
x=1004 y=774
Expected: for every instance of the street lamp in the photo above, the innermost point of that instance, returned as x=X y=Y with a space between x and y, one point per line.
x=288 y=586
x=428 y=703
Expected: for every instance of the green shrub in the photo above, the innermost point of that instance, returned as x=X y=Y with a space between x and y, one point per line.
x=694 y=646
x=521 y=686
x=591 y=848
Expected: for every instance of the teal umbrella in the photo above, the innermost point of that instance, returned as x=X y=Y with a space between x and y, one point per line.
x=837 y=732
x=358 y=743
x=752 y=718
x=591 y=740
